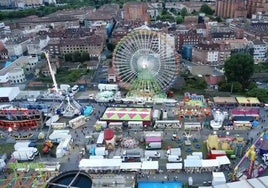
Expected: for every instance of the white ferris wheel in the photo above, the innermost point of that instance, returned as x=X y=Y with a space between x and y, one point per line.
x=146 y=60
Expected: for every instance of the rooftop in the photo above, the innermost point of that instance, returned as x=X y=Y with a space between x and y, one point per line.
x=18 y=63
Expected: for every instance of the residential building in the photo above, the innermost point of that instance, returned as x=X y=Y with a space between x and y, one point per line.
x=255 y=6
x=206 y=53
x=231 y=8
x=260 y=51
x=221 y=33
x=3 y=51
x=94 y=45
x=136 y=11
x=190 y=38
x=6 y=3
x=103 y=16
x=16 y=46
x=55 y=22
x=53 y=47
x=36 y=45
x=28 y=3
x=15 y=73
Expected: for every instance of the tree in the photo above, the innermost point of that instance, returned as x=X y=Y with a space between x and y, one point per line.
x=206 y=9
x=239 y=68
x=179 y=19
x=184 y=12
x=260 y=93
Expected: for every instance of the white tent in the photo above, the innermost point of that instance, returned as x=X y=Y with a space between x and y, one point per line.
x=242 y=184
x=9 y=92
x=100 y=151
x=149 y=165
x=63 y=146
x=223 y=160
x=256 y=183
x=103 y=164
x=174 y=166
x=264 y=180
x=192 y=163
x=135 y=166
x=218 y=178
x=193 y=157
x=207 y=163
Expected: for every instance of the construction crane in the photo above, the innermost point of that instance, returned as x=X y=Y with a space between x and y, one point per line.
x=52 y=73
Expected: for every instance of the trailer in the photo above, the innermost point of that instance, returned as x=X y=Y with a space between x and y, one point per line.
x=174 y=159
x=174 y=151
x=135 y=124
x=59 y=125
x=52 y=119
x=77 y=122
x=29 y=149
x=100 y=139
x=129 y=156
x=192 y=126
x=163 y=124
x=23 y=155
x=108 y=87
x=154 y=145
x=156 y=115
x=152 y=154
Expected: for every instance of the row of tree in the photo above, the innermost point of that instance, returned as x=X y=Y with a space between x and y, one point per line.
x=239 y=70
x=77 y=56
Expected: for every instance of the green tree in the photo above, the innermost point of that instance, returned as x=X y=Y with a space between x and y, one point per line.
x=84 y=56
x=206 y=9
x=184 y=12
x=110 y=47
x=239 y=68
x=179 y=19
x=260 y=93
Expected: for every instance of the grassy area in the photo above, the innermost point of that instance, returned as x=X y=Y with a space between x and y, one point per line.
x=261 y=68
x=7 y=149
x=65 y=76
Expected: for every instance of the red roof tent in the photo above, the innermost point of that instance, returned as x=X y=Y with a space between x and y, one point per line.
x=246 y=112
x=108 y=134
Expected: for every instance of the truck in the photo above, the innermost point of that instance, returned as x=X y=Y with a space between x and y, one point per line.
x=152 y=154
x=29 y=149
x=23 y=155
x=174 y=151
x=154 y=145
x=23 y=144
x=131 y=156
x=174 y=159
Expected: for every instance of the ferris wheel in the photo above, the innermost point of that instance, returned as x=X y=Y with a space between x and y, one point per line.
x=147 y=58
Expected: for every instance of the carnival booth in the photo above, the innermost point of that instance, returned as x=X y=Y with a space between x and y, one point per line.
x=131 y=167
x=174 y=167
x=113 y=114
x=264 y=145
x=100 y=165
x=248 y=101
x=150 y=167
x=109 y=139
x=192 y=165
x=225 y=101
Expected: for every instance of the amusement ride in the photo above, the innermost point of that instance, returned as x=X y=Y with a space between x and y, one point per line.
x=146 y=64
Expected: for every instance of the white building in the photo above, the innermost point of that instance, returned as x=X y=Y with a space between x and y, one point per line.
x=29 y=3
x=213 y=56
x=260 y=51
x=15 y=73
x=17 y=46
x=36 y=46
